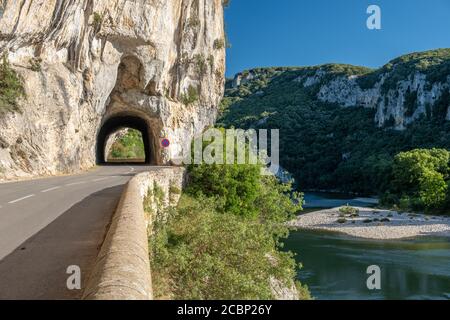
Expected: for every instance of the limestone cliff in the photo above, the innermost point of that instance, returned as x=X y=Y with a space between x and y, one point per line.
x=402 y=91
x=85 y=62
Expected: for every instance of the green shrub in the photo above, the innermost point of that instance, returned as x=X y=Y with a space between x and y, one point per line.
x=158 y=194
x=148 y=202
x=420 y=179
x=11 y=87
x=241 y=190
x=348 y=210
x=223 y=240
x=341 y=220
x=174 y=189
x=97 y=21
x=202 y=254
x=210 y=61
x=237 y=186
x=35 y=64
x=226 y=3
x=193 y=22
x=191 y=96
x=201 y=66
x=238 y=189
x=219 y=44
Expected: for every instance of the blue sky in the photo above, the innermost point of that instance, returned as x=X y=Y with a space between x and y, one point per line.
x=309 y=32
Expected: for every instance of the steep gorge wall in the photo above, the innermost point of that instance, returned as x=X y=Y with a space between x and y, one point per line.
x=398 y=104
x=406 y=89
x=85 y=61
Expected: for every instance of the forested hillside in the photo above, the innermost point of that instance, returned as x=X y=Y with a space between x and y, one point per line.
x=349 y=144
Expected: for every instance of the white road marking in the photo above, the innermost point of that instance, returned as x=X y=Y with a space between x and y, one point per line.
x=75 y=183
x=50 y=189
x=100 y=179
x=23 y=198
x=131 y=170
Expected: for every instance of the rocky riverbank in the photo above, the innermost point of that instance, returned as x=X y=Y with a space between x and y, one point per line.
x=374 y=224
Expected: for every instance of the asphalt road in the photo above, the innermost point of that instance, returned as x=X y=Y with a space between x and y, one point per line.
x=47 y=225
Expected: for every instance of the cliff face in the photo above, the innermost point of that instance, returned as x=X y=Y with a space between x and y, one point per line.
x=86 y=62
x=401 y=92
x=341 y=125
x=413 y=98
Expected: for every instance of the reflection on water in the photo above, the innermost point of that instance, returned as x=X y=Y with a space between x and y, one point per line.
x=334 y=266
x=331 y=200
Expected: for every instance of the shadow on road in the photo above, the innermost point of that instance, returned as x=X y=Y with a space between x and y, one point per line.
x=37 y=268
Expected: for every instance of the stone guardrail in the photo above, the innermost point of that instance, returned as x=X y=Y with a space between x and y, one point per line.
x=122 y=269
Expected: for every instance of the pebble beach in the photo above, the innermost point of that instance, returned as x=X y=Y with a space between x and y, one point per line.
x=374 y=224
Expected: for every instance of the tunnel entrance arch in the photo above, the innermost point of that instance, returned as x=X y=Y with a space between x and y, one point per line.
x=116 y=123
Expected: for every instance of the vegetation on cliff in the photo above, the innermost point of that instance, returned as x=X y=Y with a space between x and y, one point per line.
x=11 y=87
x=435 y=64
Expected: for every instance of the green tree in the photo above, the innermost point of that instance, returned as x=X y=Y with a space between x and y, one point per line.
x=130 y=146
x=223 y=239
x=11 y=87
x=420 y=178
x=234 y=186
x=204 y=254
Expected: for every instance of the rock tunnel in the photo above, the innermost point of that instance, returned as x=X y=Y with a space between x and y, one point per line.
x=122 y=113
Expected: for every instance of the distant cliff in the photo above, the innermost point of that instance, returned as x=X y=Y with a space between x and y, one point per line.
x=84 y=62
x=402 y=91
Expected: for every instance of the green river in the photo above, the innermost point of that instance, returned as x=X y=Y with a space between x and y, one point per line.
x=334 y=266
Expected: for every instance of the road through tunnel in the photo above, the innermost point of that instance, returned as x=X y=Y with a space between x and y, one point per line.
x=114 y=125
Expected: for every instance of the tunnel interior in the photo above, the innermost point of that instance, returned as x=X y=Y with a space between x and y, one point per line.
x=116 y=123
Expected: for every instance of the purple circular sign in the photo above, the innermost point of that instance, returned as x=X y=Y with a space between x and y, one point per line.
x=165 y=143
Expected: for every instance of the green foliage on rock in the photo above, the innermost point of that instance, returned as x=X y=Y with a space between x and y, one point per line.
x=439 y=112
x=11 y=87
x=219 y=44
x=410 y=104
x=435 y=64
x=201 y=66
x=191 y=96
x=35 y=64
x=97 y=21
